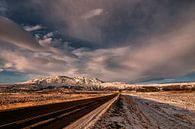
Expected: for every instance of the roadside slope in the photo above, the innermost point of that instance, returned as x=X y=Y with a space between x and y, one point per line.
x=132 y=112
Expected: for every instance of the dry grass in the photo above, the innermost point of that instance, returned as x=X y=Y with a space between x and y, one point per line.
x=18 y=100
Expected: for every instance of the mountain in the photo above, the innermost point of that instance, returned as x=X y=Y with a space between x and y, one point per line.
x=115 y=85
x=86 y=83
x=94 y=84
x=79 y=83
x=66 y=81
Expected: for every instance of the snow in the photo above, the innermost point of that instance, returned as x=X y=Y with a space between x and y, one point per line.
x=147 y=111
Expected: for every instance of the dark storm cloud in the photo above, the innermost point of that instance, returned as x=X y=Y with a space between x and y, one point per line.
x=111 y=23
x=11 y=32
x=110 y=39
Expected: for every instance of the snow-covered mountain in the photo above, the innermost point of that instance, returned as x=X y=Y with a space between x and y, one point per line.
x=81 y=82
x=88 y=83
x=115 y=85
x=66 y=81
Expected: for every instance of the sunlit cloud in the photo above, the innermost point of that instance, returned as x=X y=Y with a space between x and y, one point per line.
x=1 y=70
x=93 y=13
x=33 y=28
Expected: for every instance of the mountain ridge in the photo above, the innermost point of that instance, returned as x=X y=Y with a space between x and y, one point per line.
x=89 y=83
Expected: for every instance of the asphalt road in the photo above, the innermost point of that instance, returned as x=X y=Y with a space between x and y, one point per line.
x=55 y=116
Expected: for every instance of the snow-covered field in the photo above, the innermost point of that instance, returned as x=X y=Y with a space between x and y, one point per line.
x=160 y=110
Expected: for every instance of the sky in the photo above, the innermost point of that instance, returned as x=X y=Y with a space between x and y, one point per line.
x=114 y=40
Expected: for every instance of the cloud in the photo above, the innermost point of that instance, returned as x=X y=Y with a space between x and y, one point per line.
x=56 y=46
x=12 y=33
x=46 y=42
x=33 y=28
x=3 y=8
x=1 y=70
x=93 y=13
x=20 y=52
x=118 y=23
x=28 y=62
x=128 y=40
x=164 y=56
x=167 y=55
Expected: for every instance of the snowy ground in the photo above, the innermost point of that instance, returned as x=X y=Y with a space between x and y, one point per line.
x=151 y=111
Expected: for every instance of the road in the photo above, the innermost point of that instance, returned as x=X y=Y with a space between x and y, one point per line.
x=55 y=116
